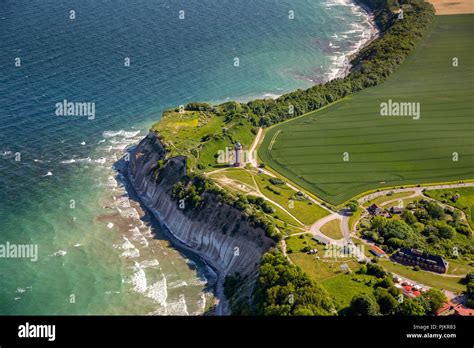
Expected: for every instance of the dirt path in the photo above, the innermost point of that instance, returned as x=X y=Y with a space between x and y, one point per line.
x=239 y=186
x=275 y=203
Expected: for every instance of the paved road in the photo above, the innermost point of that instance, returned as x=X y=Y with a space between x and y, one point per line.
x=418 y=190
x=316 y=228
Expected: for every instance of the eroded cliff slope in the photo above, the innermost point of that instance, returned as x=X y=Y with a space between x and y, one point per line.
x=217 y=232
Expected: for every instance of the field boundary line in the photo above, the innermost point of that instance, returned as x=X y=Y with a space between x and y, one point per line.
x=270 y=146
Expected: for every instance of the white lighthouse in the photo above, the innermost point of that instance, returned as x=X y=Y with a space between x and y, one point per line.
x=238 y=155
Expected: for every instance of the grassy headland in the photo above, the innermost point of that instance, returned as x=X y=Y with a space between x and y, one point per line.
x=202 y=132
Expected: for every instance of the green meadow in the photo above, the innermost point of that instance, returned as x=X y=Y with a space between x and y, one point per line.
x=348 y=148
x=201 y=136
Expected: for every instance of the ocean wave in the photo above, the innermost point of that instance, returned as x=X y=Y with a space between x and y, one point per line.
x=129 y=250
x=177 y=308
x=138 y=281
x=77 y=160
x=361 y=34
x=111 y=182
x=177 y=284
x=202 y=303
x=122 y=202
x=59 y=253
x=158 y=292
x=130 y=213
x=331 y=3
x=149 y=264
x=138 y=237
x=123 y=133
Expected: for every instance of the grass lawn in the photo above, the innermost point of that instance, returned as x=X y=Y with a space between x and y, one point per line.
x=240 y=181
x=303 y=209
x=388 y=151
x=465 y=201
x=296 y=243
x=236 y=174
x=200 y=136
x=426 y=278
x=386 y=198
x=332 y=229
x=246 y=181
x=354 y=218
x=317 y=269
x=344 y=287
x=286 y=222
x=405 y=201
x=459 y=268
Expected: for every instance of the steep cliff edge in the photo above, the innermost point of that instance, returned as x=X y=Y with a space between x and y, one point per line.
x=217 y=232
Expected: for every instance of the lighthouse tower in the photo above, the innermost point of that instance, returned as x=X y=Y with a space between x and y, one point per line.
x=239 y=155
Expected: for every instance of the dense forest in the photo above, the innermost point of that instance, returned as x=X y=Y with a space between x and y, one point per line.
x=282 y=289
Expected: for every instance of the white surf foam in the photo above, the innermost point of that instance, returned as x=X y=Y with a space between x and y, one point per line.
x=178 y=308
x=123 y=133
x=158 y=292
x=138 y=236
x=59 y=253
x=129 y=250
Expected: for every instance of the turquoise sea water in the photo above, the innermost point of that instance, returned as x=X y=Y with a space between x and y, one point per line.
x=57 y=191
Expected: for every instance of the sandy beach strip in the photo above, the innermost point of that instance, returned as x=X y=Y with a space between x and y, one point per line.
x=450 y=7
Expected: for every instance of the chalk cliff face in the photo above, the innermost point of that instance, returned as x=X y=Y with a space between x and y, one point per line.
x=217 y=232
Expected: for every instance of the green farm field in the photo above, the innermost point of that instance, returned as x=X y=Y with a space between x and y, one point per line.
x=384 y=151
